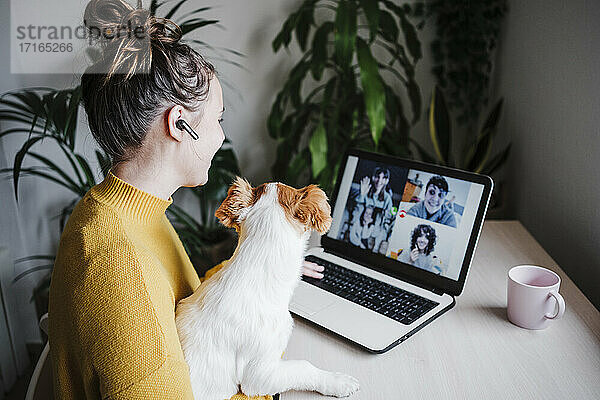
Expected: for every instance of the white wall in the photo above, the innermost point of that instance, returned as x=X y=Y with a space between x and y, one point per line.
x=549 y=67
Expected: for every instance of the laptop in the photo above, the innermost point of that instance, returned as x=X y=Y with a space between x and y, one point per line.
x=398 y=251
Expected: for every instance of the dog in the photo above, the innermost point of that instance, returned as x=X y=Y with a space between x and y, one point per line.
x=234 y=328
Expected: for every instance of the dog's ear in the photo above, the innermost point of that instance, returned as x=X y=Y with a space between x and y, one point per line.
x=308 y=205
x=239 y=196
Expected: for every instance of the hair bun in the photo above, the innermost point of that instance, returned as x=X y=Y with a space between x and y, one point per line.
x=127 y=34
x=163 y=30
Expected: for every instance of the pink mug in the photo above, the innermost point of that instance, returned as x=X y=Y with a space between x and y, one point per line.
x=532 y=297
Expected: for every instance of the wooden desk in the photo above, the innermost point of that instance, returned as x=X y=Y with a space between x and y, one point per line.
x=473 y=351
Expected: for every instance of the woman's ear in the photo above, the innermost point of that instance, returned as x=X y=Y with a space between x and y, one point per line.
x=239 y=197
x=175 y=113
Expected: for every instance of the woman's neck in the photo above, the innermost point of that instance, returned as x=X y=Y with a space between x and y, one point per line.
x=148 y=178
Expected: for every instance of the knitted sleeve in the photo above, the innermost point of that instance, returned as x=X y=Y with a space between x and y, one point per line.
x=166 y=382
x=123 y=338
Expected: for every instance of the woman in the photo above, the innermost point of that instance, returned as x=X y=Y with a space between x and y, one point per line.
x=375 y=192
x=121 y=268
x=362 y=228
x=422 y=243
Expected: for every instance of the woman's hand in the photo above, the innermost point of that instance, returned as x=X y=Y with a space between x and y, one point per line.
x=414 y=254
x=365 y=185
x=313 y=270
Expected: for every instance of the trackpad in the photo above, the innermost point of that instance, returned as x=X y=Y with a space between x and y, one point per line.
x=310 y=299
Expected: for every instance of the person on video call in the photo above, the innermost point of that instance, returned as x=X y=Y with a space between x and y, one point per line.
x=362 y=228
x=374 y=191
x=422 y=243
x=434 y=206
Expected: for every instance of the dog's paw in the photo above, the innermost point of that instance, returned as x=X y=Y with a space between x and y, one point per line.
x=340 y=385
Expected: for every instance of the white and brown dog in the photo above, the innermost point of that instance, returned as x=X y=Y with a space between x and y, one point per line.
x=235 y=327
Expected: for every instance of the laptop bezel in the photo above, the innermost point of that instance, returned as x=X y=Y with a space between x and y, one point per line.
x=396 y=268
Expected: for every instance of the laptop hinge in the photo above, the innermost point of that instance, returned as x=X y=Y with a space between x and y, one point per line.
x=437 y=291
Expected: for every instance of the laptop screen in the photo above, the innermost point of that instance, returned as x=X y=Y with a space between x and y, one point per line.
x=414 y=217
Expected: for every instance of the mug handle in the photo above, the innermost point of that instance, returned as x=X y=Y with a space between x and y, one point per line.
x=561 y=305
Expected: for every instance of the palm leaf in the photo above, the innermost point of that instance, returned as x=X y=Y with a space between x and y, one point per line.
x=318 y=149
x=174 y=9
x=345 y=32
x=374 y=93
x=439 y=126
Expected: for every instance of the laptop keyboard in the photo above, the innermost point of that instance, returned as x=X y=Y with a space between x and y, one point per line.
x=393 y=302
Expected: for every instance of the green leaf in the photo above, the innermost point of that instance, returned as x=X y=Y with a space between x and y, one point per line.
x=31 y=270
x=51 y=165
x=483 y=149
x=188 y=26
x=37 y=172
x=395 y=113
x=16 y=130
x=480 y=151
x=491 y=121
x=425 y=156
x=284 y=36
x=304 y=22
x=72 y=112
x=371 y=9
x=439 y=126
x=103 y=162
x=18 y=162
x=410 y=37
x=373 y=89
x=26 y=111
x=6 y=116
x=497 y=161
x=345 y=32
x=274 y=120
x=328 y=92
x=414 y=94
x=298 y=164
x=319 y=50
x=56 y=103
x=183 y=217
x=196 y=11
x=69 y=155
x=292 y=87
x=32 y=100
x=389 y=28
x=318 y=149
x=48 y=257
x=174 y=9
x=85 y=167
x=410 y=33
x=154 y=4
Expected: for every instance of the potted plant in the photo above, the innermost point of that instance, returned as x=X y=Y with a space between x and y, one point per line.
x=479 y=155
x=48 y=114
x=463 y=50
x=348 y=103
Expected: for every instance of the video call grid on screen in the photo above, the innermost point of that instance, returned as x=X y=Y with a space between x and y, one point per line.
x=416 y=217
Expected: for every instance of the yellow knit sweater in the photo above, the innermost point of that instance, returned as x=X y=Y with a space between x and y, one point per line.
x=119 y=272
